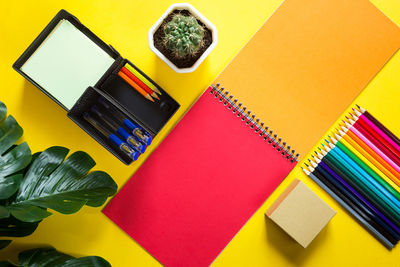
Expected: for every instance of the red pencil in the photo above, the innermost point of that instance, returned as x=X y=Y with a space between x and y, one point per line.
x=376 y=142
x=377 y=136
x=135 y=86
x=380 y=125
x=139 y=82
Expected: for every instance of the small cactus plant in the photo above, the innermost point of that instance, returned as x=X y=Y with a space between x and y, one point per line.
x=183 y=35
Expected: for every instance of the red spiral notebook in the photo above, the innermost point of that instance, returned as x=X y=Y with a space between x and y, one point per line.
x=202 y=184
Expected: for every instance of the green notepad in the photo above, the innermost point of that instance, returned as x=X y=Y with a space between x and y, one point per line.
x=66 y=63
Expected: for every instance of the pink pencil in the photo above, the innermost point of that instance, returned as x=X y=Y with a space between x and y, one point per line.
x=377 y=130
x=372 y=146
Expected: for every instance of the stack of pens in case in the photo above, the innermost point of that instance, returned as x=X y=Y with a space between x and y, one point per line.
x=114 y=125
x=359 y=166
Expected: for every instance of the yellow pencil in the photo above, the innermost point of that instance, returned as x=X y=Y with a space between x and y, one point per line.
x=372 y=163
x=135 y=86
x=142 y=78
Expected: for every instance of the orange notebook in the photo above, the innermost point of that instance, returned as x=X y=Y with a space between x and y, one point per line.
x=308 y=62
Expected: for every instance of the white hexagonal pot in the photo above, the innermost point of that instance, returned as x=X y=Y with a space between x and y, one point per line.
x=199 y=16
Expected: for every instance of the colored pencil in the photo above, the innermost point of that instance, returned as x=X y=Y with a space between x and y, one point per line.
x=350 y=207
x=366 y=168
x=366 y=179
x=139 y=82
x=367 y=162
x=354 y=196
x=135 y=86
x=369 y=154
x=380 y=225
x=377 y=149
x=377 y=133
x=387 y=151
x=369 y=146
x=368 y=115
x=142 y=78
x=366 y=192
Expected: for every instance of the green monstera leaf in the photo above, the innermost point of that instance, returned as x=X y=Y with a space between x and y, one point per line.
x=50 y=257
x=61 y=184
x=12 y=227
x=13 y=158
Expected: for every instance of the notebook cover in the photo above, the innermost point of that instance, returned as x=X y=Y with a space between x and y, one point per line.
x=307 y=64
x=199 y=187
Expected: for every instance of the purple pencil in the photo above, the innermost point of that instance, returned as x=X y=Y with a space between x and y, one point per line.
x=360 y=197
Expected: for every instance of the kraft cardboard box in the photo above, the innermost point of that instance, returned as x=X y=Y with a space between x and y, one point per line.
x=300 y=213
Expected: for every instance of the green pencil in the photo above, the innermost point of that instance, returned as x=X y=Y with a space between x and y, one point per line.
x=366 y=168
x=337 y=167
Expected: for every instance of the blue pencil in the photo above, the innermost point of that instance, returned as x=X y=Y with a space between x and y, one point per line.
x=367 y=176
x=364 y=222
x=368 y=180
x=357 y=195
x=356 y=198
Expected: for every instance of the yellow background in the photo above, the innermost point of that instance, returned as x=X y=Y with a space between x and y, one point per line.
x=124 y=24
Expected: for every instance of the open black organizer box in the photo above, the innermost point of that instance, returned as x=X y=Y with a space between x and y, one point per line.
x=151 y=116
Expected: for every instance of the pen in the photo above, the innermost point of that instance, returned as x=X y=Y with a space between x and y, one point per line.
x=136 y=130
x=117 y=128
x=124 y=147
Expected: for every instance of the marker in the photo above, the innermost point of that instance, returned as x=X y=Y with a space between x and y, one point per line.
x=124 y=147
x=115 y=127
x=136 y=130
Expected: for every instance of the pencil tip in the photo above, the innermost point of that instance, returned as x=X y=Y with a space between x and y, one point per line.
x=149 y=98
x=358 y=106
x=306 y=164
x=326 y=141
x=155 y=95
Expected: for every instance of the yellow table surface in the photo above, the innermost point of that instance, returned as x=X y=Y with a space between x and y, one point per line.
x=124 y=24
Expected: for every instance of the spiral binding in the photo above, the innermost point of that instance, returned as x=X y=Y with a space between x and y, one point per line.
x=254 y=123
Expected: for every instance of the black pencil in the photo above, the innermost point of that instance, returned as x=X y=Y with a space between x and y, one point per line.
x=383 y=227
x=341 y=200
x=332 y=163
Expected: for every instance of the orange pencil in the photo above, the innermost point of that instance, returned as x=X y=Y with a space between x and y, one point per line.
x=371 y=158
x=372 y=153
x=139 y=82
x=134 y=85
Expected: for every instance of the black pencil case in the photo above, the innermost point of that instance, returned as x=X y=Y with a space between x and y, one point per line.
x=150 y=116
